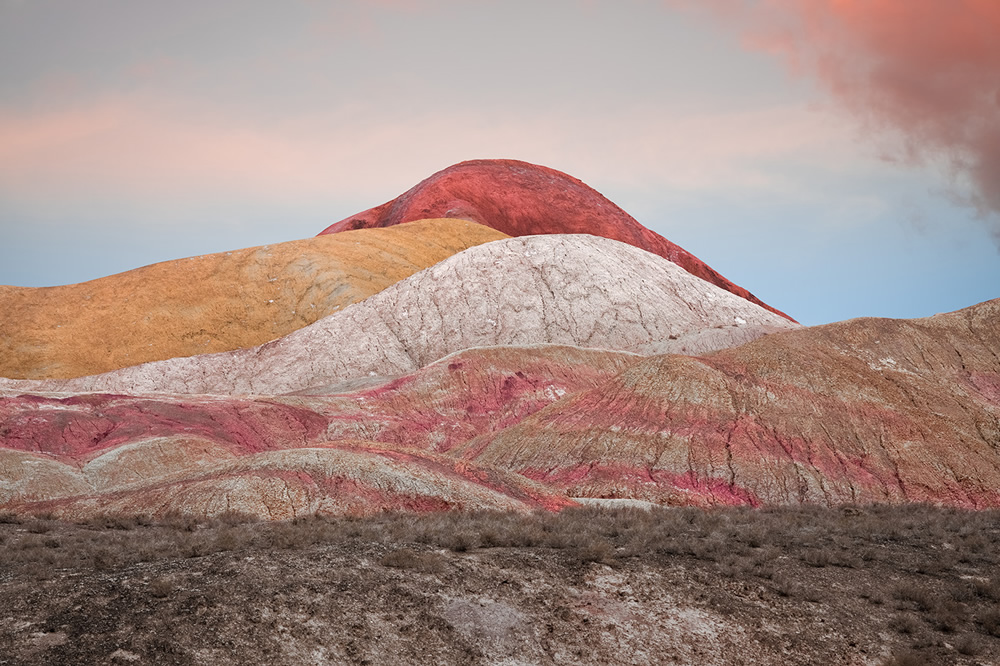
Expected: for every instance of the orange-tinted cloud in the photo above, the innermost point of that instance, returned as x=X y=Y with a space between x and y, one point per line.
x=926 y=70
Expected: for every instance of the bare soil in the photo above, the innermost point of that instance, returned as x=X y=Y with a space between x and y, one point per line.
x=853 y=585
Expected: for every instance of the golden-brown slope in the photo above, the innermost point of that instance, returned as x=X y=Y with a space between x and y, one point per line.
x=215 y=302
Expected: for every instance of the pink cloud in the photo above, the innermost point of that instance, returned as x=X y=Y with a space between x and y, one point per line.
x=144 y=149
x=924 y=71
x=136 y=147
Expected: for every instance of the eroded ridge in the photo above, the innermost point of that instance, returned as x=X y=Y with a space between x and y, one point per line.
x=865 y=411
x=868 y=410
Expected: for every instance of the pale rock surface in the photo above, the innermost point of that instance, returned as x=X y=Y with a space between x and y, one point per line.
x=29 y=477
x=566 y=289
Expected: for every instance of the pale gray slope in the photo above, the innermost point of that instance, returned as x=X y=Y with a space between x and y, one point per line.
x=566 y=289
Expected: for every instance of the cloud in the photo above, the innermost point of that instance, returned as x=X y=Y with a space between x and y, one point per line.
x=922 y=75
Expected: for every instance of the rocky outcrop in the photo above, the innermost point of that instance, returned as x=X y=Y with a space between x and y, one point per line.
x=565 y=289
x=215 y=302
x=522 y=199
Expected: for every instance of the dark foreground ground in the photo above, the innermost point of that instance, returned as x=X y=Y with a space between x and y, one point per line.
x=856 y=585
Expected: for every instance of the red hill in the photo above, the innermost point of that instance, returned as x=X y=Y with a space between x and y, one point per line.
x=522 y=199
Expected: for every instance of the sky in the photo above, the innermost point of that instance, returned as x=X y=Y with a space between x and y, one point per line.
x=839 y=158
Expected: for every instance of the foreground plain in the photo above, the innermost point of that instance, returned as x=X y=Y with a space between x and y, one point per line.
x=852 y=585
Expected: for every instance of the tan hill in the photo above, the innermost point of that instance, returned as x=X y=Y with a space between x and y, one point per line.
x=565 y=289
x=215 y=302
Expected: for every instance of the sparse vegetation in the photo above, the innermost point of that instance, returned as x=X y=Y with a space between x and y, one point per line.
x=879 y=568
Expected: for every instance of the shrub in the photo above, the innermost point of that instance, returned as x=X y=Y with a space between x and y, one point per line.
x=948 y=616
x=873 y=596
x=226 y=540
x=103 y=559
x=407 y=558
x=597 y=550
x=461 y=541
x=920 y=597
x=987 y=590
x=905 y=624
x=907 y=659
x=786 y=586
x=39 y=527
x=991 y=622
x=114 y=522
x=969 y=645
x=161 y=587
x=816 y=558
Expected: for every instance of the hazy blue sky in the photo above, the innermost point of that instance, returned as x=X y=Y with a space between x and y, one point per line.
x=787 y=143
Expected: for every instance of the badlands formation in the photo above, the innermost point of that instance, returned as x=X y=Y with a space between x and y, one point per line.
x=514 y=373
x=863 y=411
x=212 y=303
x=858 y=412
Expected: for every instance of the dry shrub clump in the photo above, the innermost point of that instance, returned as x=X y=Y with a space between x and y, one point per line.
x=162 y=586
x=745 y=542
x=990 y=621
x=408 y=558
x=909 y=658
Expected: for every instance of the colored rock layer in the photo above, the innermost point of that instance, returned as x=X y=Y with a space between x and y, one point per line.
x=869 y=410
x=565 y=289
x=96 y=454
x=522 y=199
x=518 y=380
x=212 y=303
x=187 y=477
